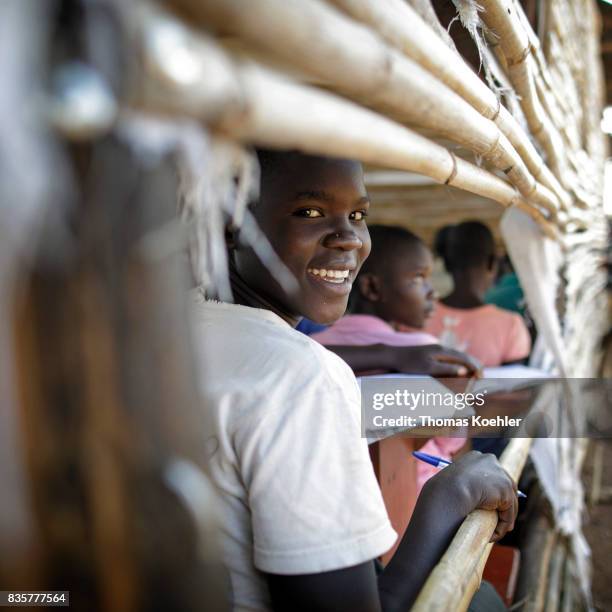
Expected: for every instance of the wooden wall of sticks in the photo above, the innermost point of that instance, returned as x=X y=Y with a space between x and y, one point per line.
x=378 y=81
x=325 y=78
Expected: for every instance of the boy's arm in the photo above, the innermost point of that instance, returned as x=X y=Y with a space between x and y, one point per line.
x=430 y=359
x=474 y=481
x=353 y=589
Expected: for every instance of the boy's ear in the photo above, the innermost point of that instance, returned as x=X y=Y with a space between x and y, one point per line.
x=370 y=286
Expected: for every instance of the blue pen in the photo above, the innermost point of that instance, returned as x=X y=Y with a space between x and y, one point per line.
x=440 y=463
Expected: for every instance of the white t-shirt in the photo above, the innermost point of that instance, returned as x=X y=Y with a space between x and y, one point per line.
x=298 y=491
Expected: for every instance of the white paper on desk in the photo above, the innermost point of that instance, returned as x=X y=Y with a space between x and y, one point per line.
x=427 y=384
x=494 y=380
x=508 y=378
x=434 y=385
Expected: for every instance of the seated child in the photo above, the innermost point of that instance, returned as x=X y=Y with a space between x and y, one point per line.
x=383 y=350
x=302 y=515
x=462 y=320
x=393 y=290
x=392 y=287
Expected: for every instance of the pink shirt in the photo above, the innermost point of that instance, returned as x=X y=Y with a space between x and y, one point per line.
x=492 y=335
x=361 y=330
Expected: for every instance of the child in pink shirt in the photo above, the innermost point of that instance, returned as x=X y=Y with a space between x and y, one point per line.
x=462 y=320
x=393 y=290
x=493 y=335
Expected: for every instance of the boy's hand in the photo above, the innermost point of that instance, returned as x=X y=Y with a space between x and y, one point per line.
x=477 y=480
x=433 y=360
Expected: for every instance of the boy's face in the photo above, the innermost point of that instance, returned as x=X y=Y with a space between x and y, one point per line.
x=406 y=295
x=313 y=212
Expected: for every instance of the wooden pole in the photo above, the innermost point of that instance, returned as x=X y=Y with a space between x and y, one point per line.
x=455 y=579
x=386 y=80
x=503 y=18
x=399 y=24
x=555 y=571
x=108 y=399
x=270 y=110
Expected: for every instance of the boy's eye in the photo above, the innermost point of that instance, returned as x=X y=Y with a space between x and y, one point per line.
x=309 y=213
x=358 y=215
x=419 y=279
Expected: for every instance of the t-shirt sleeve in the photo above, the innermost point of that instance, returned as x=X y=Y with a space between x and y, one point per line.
x=518 y=342
x=314 y=501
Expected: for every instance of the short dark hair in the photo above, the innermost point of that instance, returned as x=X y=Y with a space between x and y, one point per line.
x=270 y=163
x=271 y=160
x=274 y=163
x=386 y=242
x=466 y=245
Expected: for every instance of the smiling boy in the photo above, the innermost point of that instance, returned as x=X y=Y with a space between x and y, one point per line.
x=311 y=232
x=303 y=517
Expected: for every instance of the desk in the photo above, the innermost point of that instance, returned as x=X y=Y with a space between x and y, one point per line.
x=395 y=469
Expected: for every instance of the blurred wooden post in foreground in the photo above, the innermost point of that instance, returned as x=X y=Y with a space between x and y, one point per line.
x=108 y=399
x=107 y=391
x=109 y=444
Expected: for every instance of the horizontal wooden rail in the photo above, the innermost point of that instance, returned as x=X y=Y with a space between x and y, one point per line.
x=402 y=27
x=350 y=59
x=253 y=104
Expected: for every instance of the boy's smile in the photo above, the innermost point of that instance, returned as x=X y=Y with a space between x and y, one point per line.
x=313 y=211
